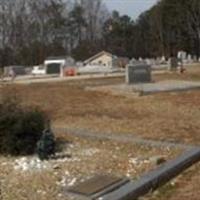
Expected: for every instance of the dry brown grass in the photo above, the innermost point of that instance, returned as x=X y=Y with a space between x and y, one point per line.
x=166 y=116
x=188 y=185
x=87 y=159
x=192 y=74
x=184 y=187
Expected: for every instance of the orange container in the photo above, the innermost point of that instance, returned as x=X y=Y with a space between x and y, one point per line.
x=70 y=72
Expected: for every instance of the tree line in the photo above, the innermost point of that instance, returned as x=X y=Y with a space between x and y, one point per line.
x=31 y=30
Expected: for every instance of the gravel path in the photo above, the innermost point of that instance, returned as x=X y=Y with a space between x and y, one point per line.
x=121 y=138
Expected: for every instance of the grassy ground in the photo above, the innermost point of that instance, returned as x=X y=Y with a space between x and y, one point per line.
x=166 y=116
x=80 y=159
x=186 y=186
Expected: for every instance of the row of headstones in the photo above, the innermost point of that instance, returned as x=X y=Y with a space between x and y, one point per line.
x=139 y=71
x=186 y=59
x=150 y=61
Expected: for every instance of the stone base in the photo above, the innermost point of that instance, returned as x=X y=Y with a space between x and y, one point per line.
x=147 y=88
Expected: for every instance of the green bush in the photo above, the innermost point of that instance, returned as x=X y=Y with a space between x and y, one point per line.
x=20 y=127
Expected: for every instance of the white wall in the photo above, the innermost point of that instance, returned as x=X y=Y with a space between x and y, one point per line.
x=104 y=60
x=62 y=62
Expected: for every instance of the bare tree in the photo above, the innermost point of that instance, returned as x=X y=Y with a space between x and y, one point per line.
x=95 y=13
x=193 y=23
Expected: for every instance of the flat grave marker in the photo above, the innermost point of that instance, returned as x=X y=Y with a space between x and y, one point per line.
x=97 y=186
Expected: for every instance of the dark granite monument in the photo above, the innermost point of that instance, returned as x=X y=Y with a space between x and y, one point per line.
x=173 y=63
x=140 y=73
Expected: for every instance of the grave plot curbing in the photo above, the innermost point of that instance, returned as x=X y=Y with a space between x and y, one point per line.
x=156 y=178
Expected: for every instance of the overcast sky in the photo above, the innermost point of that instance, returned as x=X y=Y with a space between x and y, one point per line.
x=132 y=8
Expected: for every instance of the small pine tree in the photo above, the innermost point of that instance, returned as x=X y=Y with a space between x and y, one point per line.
x=46 y=145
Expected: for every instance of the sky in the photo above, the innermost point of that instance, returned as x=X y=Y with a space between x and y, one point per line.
x=133 y=8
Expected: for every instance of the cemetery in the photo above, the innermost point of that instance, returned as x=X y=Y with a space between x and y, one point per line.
x=138 y=81
x=81 y=159
x=119 y=136
x=99 y=100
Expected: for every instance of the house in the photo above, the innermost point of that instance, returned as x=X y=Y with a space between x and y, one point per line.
x=103 y=58
x=56 y=65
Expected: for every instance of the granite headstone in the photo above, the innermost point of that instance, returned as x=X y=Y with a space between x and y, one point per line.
x=140 y=73
x=173 y=63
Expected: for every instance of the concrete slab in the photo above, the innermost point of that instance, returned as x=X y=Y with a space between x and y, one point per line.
x=165 y=86
x=148 y=88
x=156 y=178
x=149 y=181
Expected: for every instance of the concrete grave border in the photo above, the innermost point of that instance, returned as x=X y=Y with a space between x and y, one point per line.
x=156 y=178
x=123 y=138
x=153 y=179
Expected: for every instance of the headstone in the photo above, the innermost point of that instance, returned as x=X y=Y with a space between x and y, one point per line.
x=173 y=63
x=97 y=186
x=140 y=73
x=189 y=58
x=148 y=61
x=140 y=59
x=182 y=55
x=195 y=59
x=157 y=61
x=70 y=61
x=133 y=61
x=163 y=59
x=153 y=61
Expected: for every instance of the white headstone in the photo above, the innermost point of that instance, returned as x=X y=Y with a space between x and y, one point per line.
x=140 y=59
x=148 y=61
x=182 y=55
x=163 y=59
x=189 y=58
x=195 y=58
